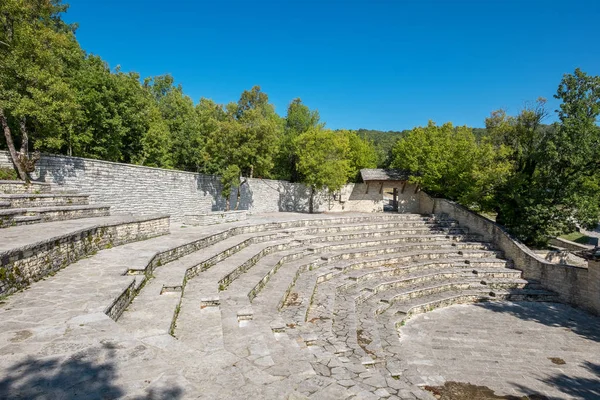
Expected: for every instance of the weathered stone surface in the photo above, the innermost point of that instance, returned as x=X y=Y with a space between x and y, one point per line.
x=300 y=307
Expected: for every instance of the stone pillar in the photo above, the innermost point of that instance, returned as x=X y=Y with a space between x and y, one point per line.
x=594 y=284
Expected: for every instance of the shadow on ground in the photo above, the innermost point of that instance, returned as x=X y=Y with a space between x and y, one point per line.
x=576 y=387
x=85 y=375
x=580 y=322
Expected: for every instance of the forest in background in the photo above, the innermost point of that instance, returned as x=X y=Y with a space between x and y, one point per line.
x=540 y=180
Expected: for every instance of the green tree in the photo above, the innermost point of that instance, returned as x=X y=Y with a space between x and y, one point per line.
x=449 y=161
x=323 y=160
x=362 y=154
x=155 y=143
x=298 y=120
x=38 y=52
x=230 y=179
x=555 y=179
x=181 y=117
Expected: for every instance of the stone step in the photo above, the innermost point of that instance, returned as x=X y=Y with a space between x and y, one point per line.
x=5 y=204
x=48 y=214
x=437 y=283
x=42 y=200
x=447 y=298
x=383 y=328
x=356 y=275
x=403 y=235
x=425 y=252
x=144 y=321
x=376 y=225
x=212 y=298
x=366 y=289
x=169 y=282
x=25 y=220
x=29 y=253
x=305 y=284
x=249 y=282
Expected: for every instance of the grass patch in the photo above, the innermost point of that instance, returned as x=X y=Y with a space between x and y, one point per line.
x=577 y=237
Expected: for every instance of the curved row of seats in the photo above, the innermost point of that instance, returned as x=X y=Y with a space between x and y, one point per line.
x=339 y=287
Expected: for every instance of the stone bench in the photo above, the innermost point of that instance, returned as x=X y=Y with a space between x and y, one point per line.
x=216 y=217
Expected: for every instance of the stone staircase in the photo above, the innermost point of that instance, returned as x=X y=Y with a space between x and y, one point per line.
x=319 y=295
x=22 y=204
x=67 y=228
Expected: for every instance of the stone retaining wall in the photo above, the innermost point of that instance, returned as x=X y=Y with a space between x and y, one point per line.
x=574 y=285
x=143 y=190
x=21 y=266
x=216 y=217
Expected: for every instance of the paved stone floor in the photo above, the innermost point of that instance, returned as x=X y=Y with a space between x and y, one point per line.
x=508 y=347
x=56 y=342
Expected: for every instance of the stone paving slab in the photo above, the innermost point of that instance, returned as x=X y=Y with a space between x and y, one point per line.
x=56 y=341
x=508 y=347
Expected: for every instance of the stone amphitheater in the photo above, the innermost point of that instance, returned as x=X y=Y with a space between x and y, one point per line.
x=276 y=306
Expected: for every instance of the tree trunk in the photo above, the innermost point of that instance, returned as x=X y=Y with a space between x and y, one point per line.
x=312 y=200
x=24 y=137
x=11 y=148
x=239 y=194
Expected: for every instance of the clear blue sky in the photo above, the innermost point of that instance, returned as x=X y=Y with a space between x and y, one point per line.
x=387 y=65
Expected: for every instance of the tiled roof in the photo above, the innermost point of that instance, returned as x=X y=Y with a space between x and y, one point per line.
x=377 y=174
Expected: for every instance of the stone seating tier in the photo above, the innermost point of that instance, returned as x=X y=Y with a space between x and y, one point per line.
x=315 y=302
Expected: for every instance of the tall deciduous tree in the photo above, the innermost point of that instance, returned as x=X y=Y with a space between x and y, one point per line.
x=39 y=53
x=449 y=161
x=179 y=113
x=323 y=160
x=298 y=120
x=555 y=179
x=362 y=154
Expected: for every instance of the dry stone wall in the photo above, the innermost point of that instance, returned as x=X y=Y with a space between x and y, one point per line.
x=133 y=189
x=23 y=265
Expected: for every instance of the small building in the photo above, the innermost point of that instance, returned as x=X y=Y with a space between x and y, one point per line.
x=381 y=190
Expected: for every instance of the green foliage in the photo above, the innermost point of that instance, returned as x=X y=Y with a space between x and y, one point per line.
x=230 y=179
x=323 y=158
x=299 y=119
x=178 y=111
x=362 y=154
x=577 y=237
x=556 y=171
x=8 y=174
x=449 y=161
x=383 y=143
x=39 y=54
x=114 y=117
x=244 y=134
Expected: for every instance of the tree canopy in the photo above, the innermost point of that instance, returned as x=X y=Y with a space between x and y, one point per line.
x=540 y=180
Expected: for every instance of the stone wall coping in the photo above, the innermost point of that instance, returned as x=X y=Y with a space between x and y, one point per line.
x=569 y=243
x=503 y=231
x=10 y=211
x=5 y=182
x=39 y=195
x=116 y=163
x=217 y=213
x=126 y=219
